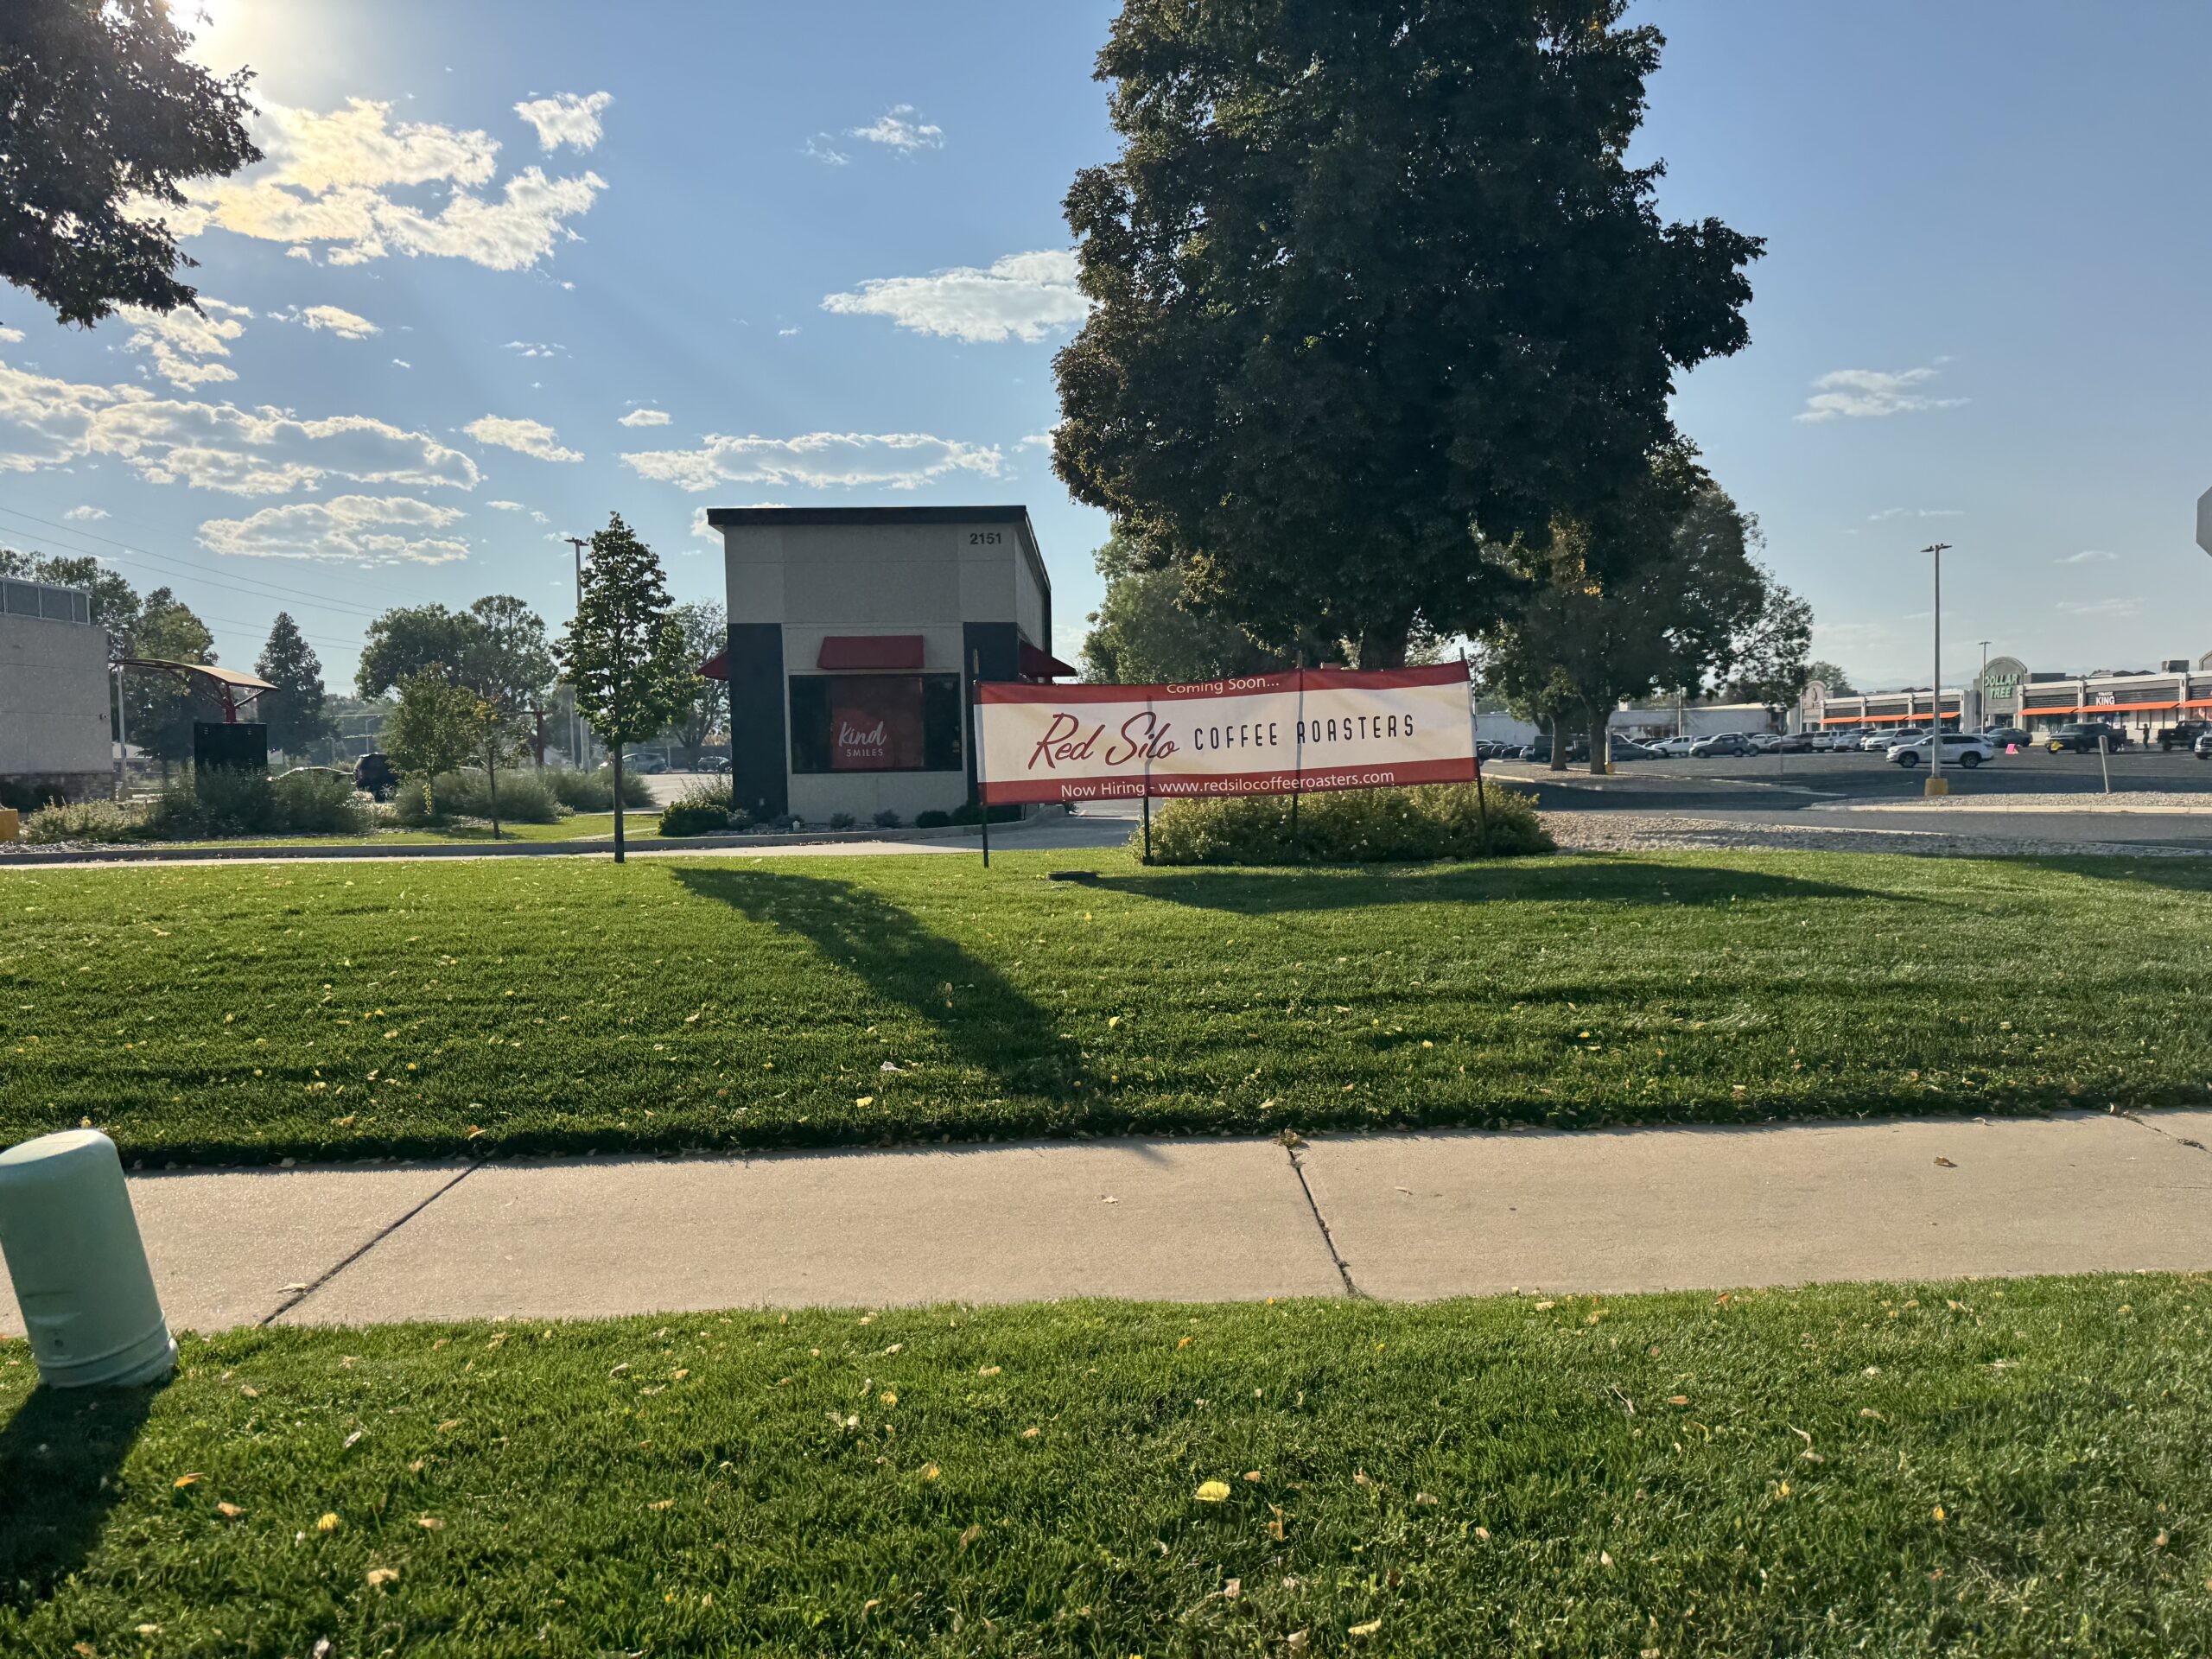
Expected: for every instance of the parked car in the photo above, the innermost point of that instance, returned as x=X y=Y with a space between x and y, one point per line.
x=373 y=774
x=2184 y=734
x=1878 y=742
x=2017 y=736
x=715 y=764
x=1967 y=749
x=1577 y=749
x=1627 y=748
x=1786 y=743
x=1720 y=743
x=1846 y=737
x=1669 y=748
x=2204 y=745
x=645 y=763
x=2080 y=737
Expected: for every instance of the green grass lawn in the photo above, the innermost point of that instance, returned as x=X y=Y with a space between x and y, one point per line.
x=1961 y=1469
x=342 y=1010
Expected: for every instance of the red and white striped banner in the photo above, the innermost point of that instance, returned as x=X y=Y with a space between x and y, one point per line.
x=1313 y=729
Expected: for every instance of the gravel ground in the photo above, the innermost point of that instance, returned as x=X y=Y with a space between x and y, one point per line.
x=2133 y=800
x=1625 y=832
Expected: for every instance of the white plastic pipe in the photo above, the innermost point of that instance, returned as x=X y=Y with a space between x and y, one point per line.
x=79 y=1266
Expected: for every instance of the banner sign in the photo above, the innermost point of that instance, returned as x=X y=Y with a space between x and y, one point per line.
x=1270 y=734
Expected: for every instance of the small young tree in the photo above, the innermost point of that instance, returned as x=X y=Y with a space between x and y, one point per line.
x=436 y=727
x=625 y=654
x=294 y=711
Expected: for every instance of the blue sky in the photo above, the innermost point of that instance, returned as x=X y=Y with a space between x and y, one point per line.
x=736 y=254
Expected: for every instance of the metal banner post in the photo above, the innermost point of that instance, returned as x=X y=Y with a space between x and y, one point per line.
x=1475 y=751
x=1297 y=753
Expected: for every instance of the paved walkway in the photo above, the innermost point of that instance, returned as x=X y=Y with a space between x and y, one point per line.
x=1401 y=1217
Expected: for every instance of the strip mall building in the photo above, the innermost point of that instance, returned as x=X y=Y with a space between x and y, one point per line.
x=2010 y=693
x=856 y=635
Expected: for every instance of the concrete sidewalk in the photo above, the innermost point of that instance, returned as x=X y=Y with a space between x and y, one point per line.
x=1407 y=1217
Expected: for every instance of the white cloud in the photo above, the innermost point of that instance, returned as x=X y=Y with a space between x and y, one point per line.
x=785 y=333
x=86 y=515
x=332 y=318
x=1865 y=393
x=182 y=341
x=49 y=422
x=532 y=438
x=10 y=336
x=506 y=506
x=535 y=348
x=327 y=181
x=1888 y=514
x=1022 y=297
x=701 y=528
x=565 y=119
x=819 y=148
x=899 y=460
x=898 y=129
x=401 y=363
x=359 y=529
x=644 y=417
x=2089 y=555
x=1037 y=441
x=2097 y=607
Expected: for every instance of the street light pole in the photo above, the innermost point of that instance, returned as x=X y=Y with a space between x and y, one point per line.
x=1936 y=785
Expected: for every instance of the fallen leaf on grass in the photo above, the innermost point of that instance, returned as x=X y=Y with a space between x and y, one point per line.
x=1945 y=1163
x=1427 y=1499
x=328 y=1522
x=229 y=1511
x=428 y=1523
x=970 y=1537
x=864 y=1100
x=183 y=1481
x=380 y=1576
x=1213 y=1491
x=988 y=1371
x=662 y=1503
x=1368 y=1629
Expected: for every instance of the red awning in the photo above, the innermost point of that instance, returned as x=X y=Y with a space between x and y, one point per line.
x=716 y=667
x=1043 y=666
x=870 y=651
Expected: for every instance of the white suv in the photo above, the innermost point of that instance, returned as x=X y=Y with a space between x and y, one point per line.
x=1966 y=749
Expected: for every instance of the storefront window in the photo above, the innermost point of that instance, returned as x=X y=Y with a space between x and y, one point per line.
x=875 y=722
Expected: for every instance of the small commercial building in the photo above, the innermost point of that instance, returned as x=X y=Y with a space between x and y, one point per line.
x=2140 y=701
x=55 y=733
x=855 y=636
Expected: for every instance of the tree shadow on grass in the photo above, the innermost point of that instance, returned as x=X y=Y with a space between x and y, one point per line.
x=1248 y=893
x=982 y=1017
x=60 y=1455
x=2176 y=875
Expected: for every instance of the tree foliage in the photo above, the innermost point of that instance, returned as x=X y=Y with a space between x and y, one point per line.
x=497 y=646
x=624 y=655
x=115 y=601
x=293 y=712
x=1831 y=676
x=1374 y=286
x=1694 y=608
x=101 y=117
x=706 y=630
x=160 y=708
x=1145 y=631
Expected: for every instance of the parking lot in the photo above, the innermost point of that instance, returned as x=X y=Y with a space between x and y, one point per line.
x=2151 y=794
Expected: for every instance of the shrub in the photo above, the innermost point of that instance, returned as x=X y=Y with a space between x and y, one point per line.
x=932 y=819
x=888 y=819
x=1440 y=821
x=524 y=797
x=319 y=804
x=594 y=791
x=27 y=797
x=693 y=819
x=83 y=821
x=842 y=821
x=786 y=821
x=209 y=805
x=968 y=812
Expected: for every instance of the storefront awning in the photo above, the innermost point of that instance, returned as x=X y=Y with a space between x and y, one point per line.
x=850 y=650
x=716 y=667
x=1043 y=666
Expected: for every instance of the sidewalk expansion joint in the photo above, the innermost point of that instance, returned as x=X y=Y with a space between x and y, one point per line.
x=294 y=1297
x=2178 y=1140
x=1328 y=1239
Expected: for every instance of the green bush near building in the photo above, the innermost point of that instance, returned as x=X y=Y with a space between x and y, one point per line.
x=1353 y=826
x=594 y=791
x=524 y=797
x=214 y=806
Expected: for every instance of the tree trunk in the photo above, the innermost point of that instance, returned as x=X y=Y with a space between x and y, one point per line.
x=1558 y=747
x=492 y=783
x=1600 y=737
x=1383 y=645
x=614 y=755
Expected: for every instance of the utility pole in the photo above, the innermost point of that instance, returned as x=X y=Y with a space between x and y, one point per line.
x=1980 y=691
x=576 y=718
x=1935 y=783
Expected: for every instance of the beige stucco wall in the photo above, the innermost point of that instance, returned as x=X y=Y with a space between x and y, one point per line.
x=54 y=698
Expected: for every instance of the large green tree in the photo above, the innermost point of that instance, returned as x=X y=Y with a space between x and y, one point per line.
x=101 y=117
x=1374 y=283
x=408 y=638
x=624 y=654
x=161 y=706
x=1831 y=676
x=436 y=728
x=1691 y=608
x=706 y=630
x=294 y=711
x=509 y=663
